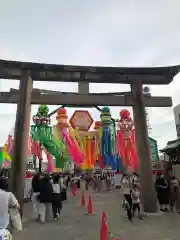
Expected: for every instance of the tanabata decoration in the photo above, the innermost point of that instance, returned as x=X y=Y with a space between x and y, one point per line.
x=10 y=143
x=81 y=122
x=1 y=158
x=66 y=135
x=5 y=157
x=5 y=154
x=108 y=139
x=89 y=149
x=126 y=141
x=42 y=136
x=97 y=129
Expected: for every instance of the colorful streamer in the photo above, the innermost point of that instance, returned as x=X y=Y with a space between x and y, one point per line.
x=107 y=140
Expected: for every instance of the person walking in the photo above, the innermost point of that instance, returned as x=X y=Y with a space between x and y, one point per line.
x=7 y=201
x=56 y=202
x=35 y=185
x=174 y=192
x=135 y=194
x=126 y=187
x=162 y=189
x=63 y=189
x=45 y=198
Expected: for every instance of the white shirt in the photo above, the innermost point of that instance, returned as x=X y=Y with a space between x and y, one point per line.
x=135 y=196
x=62 y=183
x=56 y=188
x=126 y=186
x=6 y=199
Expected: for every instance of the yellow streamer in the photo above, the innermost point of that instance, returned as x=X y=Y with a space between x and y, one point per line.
x=5 y=153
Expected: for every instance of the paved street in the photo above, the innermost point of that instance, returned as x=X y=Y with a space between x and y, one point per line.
x=74 y=225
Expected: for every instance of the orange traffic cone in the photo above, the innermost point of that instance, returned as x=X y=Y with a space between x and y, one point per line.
x=104 y=235
x=83 y=201
x=90 y=208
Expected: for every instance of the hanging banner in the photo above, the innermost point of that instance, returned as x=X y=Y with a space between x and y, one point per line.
x=153 y=149
x=81 y=120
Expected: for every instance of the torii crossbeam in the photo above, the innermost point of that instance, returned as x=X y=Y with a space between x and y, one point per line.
x=88 y=100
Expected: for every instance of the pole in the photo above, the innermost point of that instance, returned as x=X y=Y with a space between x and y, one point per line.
x=40 y=160
x=40 y=165
x=20 y=149
x=148 y=193
x=83 y=87
x=34 y=161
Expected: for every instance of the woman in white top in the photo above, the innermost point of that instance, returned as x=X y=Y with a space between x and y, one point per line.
x=126 y=187
x=135 y=193
x=63 y=189
x=56 y=203
x=7 y=200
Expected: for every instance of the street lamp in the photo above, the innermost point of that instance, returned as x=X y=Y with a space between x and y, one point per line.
x=147 y=93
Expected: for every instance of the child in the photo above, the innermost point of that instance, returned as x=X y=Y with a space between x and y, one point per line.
x=56 y=203
x=135 y=194
x=63 y=189
x=127 y=208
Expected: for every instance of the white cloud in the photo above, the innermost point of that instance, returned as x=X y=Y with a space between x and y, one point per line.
x=106 y=33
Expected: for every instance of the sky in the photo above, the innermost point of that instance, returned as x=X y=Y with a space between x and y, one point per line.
x=97 y=32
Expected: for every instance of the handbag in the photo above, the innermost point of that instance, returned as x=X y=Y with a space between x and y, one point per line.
x=15 y=219
x=5 y=234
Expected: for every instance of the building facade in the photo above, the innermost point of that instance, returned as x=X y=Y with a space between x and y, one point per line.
x=177 y=119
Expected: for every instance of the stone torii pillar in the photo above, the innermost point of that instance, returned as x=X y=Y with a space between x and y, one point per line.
x=148 y=193
x=20 y=149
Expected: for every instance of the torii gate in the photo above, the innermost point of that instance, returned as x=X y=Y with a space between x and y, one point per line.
x=136 y=77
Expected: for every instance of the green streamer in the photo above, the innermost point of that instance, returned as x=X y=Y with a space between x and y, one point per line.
x=1 y=158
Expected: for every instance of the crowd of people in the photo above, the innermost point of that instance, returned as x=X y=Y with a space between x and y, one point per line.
x=49 y=192
x=167 y=189
x=131 y=190
x=100 y=182
x=168 y=193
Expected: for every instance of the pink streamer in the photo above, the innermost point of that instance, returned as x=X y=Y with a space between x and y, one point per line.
x=134 y=152
x=38 y=151
x=10 y=143
x=50 y=166
x=76 y=155
x=100 y=160
x=5 y=164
